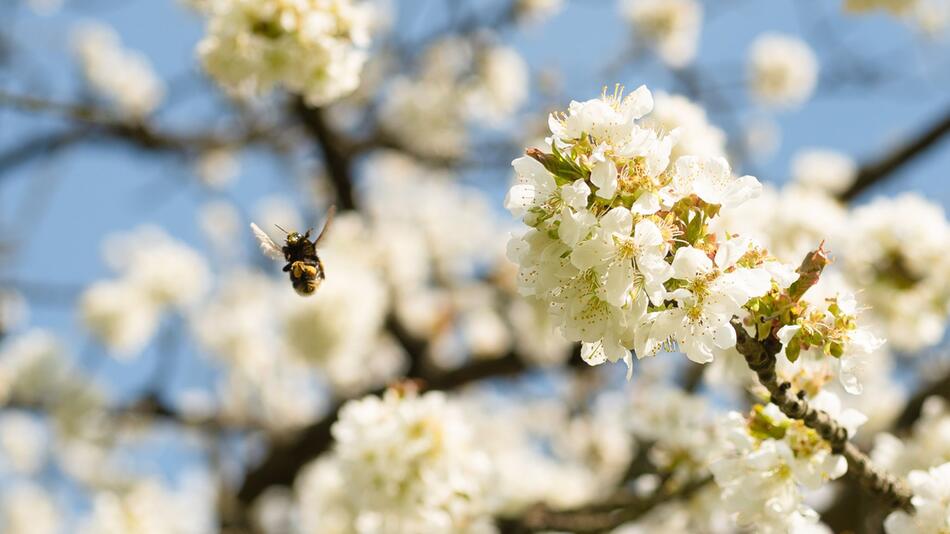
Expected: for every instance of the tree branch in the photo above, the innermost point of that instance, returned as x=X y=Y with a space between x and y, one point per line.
x=760 y=356
x=876 y=171
x=337 y=152
x=284 y=460
x=97 y=124
x=911 y=412
x=623 y=507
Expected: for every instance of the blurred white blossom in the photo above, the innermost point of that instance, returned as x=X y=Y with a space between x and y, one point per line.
x=402 y=463
x=218 y=168
x=120 y=315
x=537 y=10
x=26 y=508
x=931 y=490
x=697 y=136
x=13 y=310
x=894 y=250
x=670 y=27
x=782 y=70
x=823 y=170
x=927 y=445
x=313 y=47
x=148 y=507
x=23 y=441
x=122 y=76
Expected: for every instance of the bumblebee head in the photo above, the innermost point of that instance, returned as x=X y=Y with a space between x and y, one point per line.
x=293 y=238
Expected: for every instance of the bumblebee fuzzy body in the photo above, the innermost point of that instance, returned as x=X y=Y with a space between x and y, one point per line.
x=300 y=253
x=303 y=264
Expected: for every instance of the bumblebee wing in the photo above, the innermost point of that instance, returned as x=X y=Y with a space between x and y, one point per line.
x=268 y=247
x=330 y=213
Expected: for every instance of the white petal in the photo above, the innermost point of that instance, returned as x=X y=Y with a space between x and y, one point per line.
x=741 y=190
x=619 y=220
x=574 y=227
x=517 y=248
x=696 y=349
x=689 y=262
x=724 y=336
x=618 y=283
x=637 y=104
x=575 y=195
x=647 y=234
x=646 y=204
x=604 y=176
x=520 y=198
x=531 y=171
x=591 y=253
x=787 y=332
x=593 y=353
x=731 y=251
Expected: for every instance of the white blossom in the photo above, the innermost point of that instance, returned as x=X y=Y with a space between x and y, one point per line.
x=148 y=507
x=120 y=315
x=823 y=170
x=538 y=10
x=169 y=272
x=894 y=250
x=765 y=463
x=501 y=87
x=425 y=116
x=313 y=47
x=670 y=27
x=783 y=70
x=931 y=502
x=927 y=445
x=13 y=310
x=340 y=332
x=26 y=508
x=711 y=179
x=708 y=300
x=22 y=442
x=29 y=363
x=218 y=168
x=541 y=452
x=124 y=77
x=697 y=136
x=606 y=212
x=401 y=463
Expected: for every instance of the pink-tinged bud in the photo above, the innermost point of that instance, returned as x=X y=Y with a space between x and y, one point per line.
x=809 y=272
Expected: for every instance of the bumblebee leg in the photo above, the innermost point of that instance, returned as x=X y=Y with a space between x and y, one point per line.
x=301 y=269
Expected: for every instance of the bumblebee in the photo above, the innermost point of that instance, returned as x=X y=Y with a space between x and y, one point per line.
x=303 y=263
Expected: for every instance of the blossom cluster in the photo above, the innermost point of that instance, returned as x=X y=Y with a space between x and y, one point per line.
x=316 y=48
x=458 y=82
x=402 y=463
x=148 y=506
x=931 y=502
x=619 y=244
x=766 y=460
x=124 y=77
x=156 y=274
x=890 y=248
x=670 y=27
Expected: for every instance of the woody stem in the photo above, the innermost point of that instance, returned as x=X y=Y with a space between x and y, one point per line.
x=760 y=357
